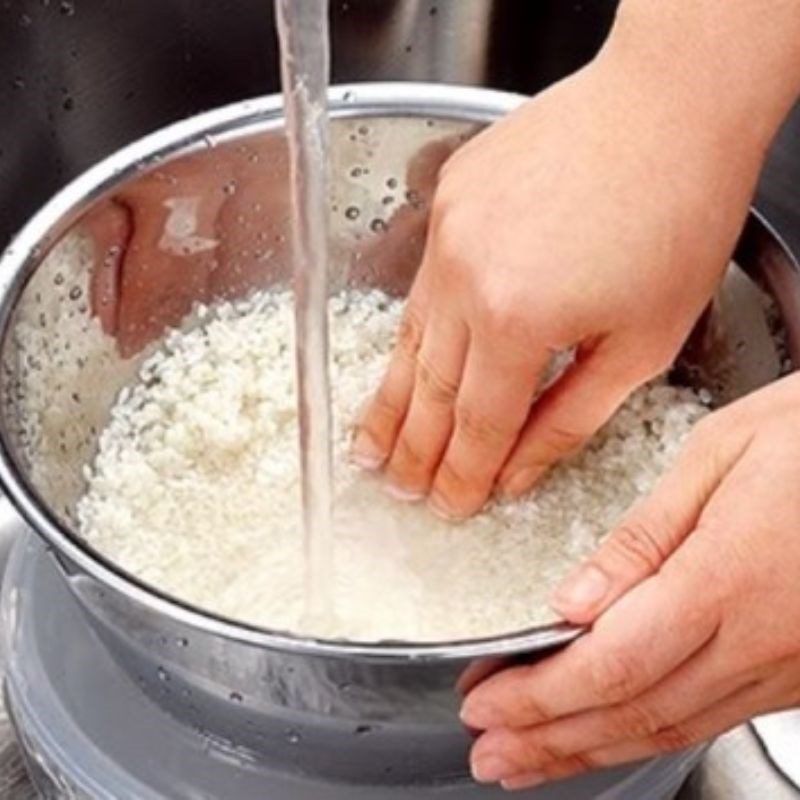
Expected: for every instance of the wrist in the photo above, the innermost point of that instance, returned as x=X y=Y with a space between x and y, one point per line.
x=728 y=72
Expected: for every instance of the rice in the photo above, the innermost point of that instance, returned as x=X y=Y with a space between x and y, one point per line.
x=195 y=489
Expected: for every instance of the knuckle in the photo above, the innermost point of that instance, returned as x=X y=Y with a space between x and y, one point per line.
x=434 y=386
x=499 y=317
x=452 y=480
x=637 y=543
x=575 y=764
x=409 y=334
x=582 y=762
x=552 y=445
x=615 y=677
x=407 y=456
x=384 y=407
x=636 y=720
x=480 y=428
x=535 y=710
x=675 y=737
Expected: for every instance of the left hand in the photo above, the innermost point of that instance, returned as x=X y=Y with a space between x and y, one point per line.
x=695 y=613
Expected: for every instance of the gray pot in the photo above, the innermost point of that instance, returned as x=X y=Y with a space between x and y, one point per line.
x=391 y=708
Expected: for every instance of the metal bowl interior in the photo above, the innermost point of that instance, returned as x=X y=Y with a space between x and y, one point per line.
x=64 y=357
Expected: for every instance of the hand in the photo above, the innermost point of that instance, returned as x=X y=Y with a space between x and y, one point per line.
x=588 y=219
x=200 y=228
x=695 y=609
x=216 y=226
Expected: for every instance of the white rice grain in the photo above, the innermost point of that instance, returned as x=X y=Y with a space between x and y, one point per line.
x=195 y=489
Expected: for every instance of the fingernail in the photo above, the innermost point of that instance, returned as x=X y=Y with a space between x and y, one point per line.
x=523 y=782
x=365 y=453
x=439 y=506
x=491 y=769
x=583 y=589
x=518 y=484
x=402 y=494
x=478 y=715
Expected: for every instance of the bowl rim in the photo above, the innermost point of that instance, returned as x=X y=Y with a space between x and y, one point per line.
x=196 y=133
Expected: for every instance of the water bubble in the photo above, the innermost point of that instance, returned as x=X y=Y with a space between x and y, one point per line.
x=293 y=737
x=18 y=82
x=229 y=188
x=352 y=212
x=163 y=675
x=68 y=104
x=67 y=8
x=25 y=21
x=378 y=225
x=348 y=97
x=235 y=697
x=182 y=641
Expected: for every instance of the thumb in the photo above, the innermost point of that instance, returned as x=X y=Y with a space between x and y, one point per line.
x=653 y=529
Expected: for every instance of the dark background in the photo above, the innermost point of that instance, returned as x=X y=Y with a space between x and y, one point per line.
x=79 y=78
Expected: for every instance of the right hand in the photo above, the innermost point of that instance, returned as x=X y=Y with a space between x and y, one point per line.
x=595 y=218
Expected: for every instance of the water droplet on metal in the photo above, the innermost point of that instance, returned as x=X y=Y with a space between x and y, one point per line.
x=182 y=641
x=293 y=737
x=378 y=225
x=75 y=292
x=352 y=212
x=363 y=730
x=236 y=697
x=68 y=104
x=163 y=675
x=391 y=183
x=18 y=82
x=67 y=8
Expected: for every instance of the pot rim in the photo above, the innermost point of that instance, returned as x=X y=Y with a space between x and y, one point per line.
x=23 y=255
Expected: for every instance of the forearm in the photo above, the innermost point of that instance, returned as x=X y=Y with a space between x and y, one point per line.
x=730 y=68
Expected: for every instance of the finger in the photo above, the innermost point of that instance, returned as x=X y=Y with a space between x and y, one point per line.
x=567 y=415
x=719 y=718
x=109 y=228
x=493 y=402
x=645 y=636
x=383 y=417
x=700 y=683
x=654 y=528
x=166 y=267
x=429 y=421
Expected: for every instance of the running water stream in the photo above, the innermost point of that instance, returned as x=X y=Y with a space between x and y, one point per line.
x=305 y=60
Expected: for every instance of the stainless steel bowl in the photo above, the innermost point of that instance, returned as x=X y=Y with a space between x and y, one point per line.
x=264 y=691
